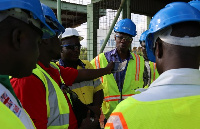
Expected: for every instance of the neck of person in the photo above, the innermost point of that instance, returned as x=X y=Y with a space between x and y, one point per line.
x=123 y=55
x=45 y=60
x=69 y=63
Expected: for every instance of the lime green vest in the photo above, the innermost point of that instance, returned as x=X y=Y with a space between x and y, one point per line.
x=8 y=119
x=178 y=113
x=133 y=80
x=154 y=72
x=57 y=106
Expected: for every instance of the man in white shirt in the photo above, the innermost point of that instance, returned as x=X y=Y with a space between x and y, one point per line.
x=172 y=100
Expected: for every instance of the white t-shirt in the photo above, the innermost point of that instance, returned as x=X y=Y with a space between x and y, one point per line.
x=174 y=83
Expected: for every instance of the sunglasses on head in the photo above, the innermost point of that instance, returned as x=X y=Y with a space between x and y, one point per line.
x=72 y=47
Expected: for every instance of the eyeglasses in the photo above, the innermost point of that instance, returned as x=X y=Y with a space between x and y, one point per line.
x=126 y=38
x=72 y=47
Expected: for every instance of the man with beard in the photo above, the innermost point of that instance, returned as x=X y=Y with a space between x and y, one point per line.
x=40 y=93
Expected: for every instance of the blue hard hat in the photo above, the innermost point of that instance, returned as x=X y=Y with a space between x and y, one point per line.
x=172 y=13
x=195 y=3
x=143 y=36
x=126 y=26
x=50 y=17
x=33 y=6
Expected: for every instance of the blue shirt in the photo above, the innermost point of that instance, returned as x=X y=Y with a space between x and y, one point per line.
x=119 y=76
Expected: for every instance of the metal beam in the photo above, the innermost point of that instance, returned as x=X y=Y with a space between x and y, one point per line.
x=92 y=26
x=148 y=21
x=66 y=6
x=128 y=3
x=95 y=1
x=59 y=11
x=112 y=26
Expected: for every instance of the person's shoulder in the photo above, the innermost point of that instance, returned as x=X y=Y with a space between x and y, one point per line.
x=25 y=82
x=24 y=79
x=88 y=65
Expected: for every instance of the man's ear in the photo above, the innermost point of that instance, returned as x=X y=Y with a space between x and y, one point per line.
x=159 y=49
x=61 y=51
x=17 y=38
x=45 y=41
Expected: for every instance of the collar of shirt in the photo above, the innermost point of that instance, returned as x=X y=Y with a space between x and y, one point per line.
x=79 y=63
x=54 y=73
x=61 y=63
x=5 y=81
x=113 y=55
x=42 y=66
x=182 y=76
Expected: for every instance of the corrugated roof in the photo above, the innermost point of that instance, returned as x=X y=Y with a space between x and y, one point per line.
x=144 y=7
x=73 y=15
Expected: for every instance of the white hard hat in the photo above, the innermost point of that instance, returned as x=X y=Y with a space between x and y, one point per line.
x=71 y=32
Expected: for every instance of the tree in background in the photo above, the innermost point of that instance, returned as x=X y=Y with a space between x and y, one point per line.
x=83 y=53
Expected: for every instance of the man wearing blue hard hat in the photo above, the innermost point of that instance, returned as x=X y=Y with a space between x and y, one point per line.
x=41 y=93
x=172 y=100
x=150 y=70
x=22 y=26
x=118 y=86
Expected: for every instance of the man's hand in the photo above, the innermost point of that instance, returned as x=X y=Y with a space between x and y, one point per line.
x=89 y=122
x=109 y=67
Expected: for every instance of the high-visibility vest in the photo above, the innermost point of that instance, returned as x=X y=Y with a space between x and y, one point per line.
x=154 y=72
x=8 y=119
x=57 y=106
x=12 y=103
x=86 y=89
x=177 y=113
x=133 y=80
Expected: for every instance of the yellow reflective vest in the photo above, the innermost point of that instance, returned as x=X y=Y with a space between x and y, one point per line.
x=57 y=106
x=133 y=80
x=8 y=119
x=177 y=113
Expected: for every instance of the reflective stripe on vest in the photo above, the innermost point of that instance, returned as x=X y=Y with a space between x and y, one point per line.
x=137 y=59
x=137 y=67
x=97 y=64
x=133 y=80
x=86 y=83
x=55 y=66
x=154 y=72
x=57 y=106
x=116 y=97
x=119 y=123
